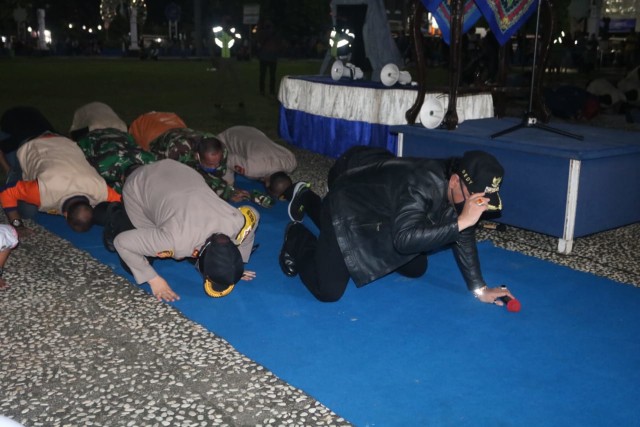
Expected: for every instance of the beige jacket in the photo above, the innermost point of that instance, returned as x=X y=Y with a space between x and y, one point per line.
x=174 y=212
x=62 y=172
x=96 y=115
x=255 y=153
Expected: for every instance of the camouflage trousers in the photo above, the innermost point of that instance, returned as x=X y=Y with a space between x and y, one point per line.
x=112 y=152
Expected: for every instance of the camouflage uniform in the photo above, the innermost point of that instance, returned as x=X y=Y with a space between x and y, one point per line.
x=111 y=152
x=179 y=144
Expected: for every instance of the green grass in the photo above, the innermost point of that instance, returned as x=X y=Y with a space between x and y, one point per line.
x=58 y=86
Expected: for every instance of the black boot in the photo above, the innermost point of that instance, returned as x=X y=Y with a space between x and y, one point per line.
x=296 y=237
x=286 y=260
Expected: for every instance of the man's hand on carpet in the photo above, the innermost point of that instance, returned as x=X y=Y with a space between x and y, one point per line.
x=162 y=291
x=240 y=195
x=248 y=275
x=493 y=295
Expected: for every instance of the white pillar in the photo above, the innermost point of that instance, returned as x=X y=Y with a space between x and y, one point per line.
x=595 y=14
x=42 y=43
x=173 y=30
x=133 y=28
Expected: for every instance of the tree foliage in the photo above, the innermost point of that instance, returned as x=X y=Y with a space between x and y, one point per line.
x=58 y=14
x=300 y=17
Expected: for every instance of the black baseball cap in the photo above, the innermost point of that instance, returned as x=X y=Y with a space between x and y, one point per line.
x=482 y=173
x=220 y=264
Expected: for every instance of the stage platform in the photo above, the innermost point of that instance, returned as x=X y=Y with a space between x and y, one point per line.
x=328 y=117
x=553 y=184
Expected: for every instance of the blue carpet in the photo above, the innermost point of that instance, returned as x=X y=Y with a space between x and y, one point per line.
x=403 y=352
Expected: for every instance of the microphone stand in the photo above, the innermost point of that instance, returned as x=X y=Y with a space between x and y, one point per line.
x=530 y=120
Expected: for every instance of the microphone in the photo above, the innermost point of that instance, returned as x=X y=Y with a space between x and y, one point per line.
x=513 y=305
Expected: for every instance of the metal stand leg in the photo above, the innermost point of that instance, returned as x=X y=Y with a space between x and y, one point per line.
x=529 y=120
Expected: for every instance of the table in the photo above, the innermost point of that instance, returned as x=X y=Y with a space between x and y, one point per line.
x=328 y=117
x=553 y=184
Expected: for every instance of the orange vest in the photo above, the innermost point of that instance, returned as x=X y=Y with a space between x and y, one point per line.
x=151 y=125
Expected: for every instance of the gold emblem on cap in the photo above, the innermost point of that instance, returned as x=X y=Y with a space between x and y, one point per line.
x=209 y=290
x=495 y=186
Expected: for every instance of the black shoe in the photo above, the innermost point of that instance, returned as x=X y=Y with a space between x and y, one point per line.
x=108 y=239
x=286 y=260
x=296 y=207
x=109 y=232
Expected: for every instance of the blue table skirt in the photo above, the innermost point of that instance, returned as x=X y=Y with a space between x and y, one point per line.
x=331 y=137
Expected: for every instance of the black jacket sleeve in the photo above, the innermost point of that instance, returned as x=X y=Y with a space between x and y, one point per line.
x=465 y=252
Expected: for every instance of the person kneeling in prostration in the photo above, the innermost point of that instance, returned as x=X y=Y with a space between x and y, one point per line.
x=386 y=216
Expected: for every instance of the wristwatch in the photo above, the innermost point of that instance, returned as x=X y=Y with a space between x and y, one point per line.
x=1 y=271
x=479 y=291
x=17 y=223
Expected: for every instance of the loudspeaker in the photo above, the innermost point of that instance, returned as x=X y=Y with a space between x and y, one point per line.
x=339 y=70
x=391 y=74
x=432 y=112
x=354 y=72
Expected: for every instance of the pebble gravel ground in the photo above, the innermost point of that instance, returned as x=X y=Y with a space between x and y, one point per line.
x=80 y=346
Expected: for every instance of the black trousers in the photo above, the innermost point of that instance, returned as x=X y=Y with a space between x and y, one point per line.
x=312 y=204
x=320 y=262
x=113 y=217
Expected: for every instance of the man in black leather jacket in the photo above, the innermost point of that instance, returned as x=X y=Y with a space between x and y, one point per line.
x=387 y=215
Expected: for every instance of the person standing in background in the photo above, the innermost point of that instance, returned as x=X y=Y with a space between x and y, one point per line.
x=268 y=47
x=225 y=37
